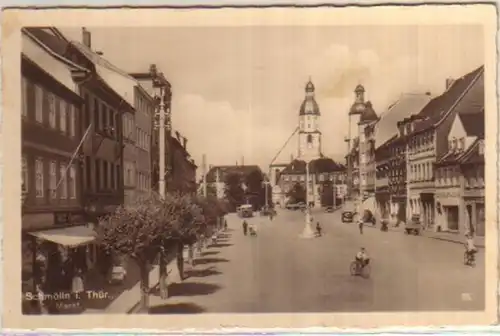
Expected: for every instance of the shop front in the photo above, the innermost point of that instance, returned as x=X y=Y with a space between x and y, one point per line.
x=449 y=212
x=475 y=211
x=53 y=254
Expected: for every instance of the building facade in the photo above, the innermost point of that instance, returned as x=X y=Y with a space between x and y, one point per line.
x=129 y=157
x=182 y=175
x=157 y=86
x=50 y=169
x=460 y=172
x=275 y=170
x=427 y=141
x=144 y=113
x=386 y=132
x=105 y=102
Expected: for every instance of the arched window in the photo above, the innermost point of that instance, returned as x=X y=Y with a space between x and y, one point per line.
x=309 y=138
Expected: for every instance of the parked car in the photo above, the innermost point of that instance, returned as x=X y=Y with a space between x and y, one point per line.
x=413 y=226
x=348 y=216
x=329 y=209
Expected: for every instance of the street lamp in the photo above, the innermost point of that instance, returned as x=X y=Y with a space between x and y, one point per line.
x=308 y=232
x=266 y=184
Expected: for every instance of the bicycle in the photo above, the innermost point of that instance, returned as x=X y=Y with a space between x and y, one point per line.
x=358 y=269
x=469 y=258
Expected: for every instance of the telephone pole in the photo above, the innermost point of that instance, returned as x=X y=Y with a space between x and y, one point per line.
x=204 y=178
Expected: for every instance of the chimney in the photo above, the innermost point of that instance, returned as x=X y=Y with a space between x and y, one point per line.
x=449 y=82
x=86 y=38
x=184 y=142
x=291 y=157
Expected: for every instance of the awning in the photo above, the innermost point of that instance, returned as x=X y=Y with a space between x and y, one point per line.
x=72 y=236
x=427 y=197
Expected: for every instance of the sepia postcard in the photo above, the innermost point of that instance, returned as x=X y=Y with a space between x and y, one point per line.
x=201 y=168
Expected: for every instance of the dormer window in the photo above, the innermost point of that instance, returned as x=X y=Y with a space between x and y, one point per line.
x=461 y=144
x=481 y=147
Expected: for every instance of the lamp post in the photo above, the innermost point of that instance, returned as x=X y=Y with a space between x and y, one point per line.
x=308 y=231
x=266 y=184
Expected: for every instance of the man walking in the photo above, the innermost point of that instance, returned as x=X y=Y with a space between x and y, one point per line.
x=245 y=227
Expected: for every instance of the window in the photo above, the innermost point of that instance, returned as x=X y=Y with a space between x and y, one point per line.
x=112 y=174
x=24 y=97
x=462 y=144
x=72 y=182
x=481 y=147
x=64 y=182
x=97 y=166
x=62 y=116
x=88 y=172
x=39 y=178
x=38 y=104
x=24 y=173
x=309 y=138
x=105 y=174
x=71 y=116
x=104 y=116
x=97 y=121
x=51 y=105
x=53 y=179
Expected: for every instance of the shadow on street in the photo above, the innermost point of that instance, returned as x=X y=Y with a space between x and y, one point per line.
x=208 y=253
x=210 y=260
x=192 y=289
x=202 y=273
x=221 y=245
x=177 y=308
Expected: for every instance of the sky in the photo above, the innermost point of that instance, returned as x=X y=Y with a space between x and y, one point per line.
x=237 y=90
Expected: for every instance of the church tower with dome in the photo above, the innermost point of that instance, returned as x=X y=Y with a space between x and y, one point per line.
x=309 y=132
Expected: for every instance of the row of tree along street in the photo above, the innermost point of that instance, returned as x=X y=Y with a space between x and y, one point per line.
x=151 y=231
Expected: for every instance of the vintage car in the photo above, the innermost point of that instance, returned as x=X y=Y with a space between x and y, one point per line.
x=413 y=226
x=348 y=216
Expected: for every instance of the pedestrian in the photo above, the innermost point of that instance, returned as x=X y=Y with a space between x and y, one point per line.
x=77 y=286
x=225 y=224
x=360 y=225
x=245 y=227
x=318 y=229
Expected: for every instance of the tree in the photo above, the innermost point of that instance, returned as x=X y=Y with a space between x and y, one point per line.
x=255 y=188
x=297 y=193
x=146 y=229
x=233 y=190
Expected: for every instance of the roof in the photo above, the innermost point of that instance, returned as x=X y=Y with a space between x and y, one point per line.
x=54 y=65
x=123 y=84
x=224 y=171
x=309 y=105
x=321 y=165
x=473 y=155
x=407 y=105
x=438 y=107
x=470 y=155
x=368 y=115
x=473 y=124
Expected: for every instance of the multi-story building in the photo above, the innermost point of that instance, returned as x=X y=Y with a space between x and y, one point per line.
x=50 y=132
x=459 y=172
x=326 y=177
x=182 y=175
x=427 y=140
x=275 y=170
x=145 y=106
x=106 y=100
x=156 y=85
x=362 y=177
x=386 y=131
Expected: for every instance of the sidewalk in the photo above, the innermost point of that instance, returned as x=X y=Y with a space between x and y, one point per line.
x=451 y=237
x=128 y=301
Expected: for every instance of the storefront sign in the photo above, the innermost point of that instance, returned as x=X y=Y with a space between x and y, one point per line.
x=67 y=218
x=37 y=221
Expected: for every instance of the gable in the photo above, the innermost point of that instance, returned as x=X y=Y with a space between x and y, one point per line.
x=457 y=129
